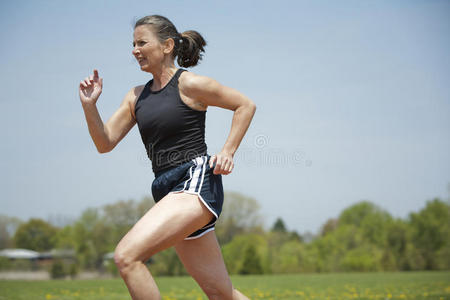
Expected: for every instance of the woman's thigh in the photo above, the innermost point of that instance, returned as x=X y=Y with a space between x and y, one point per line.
x=203 y=260
x=169 y=221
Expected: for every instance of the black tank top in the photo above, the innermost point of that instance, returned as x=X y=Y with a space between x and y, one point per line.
x=172 y=132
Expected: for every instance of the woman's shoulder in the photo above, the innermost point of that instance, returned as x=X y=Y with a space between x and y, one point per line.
x=132 y=97
x=191 y=82
x=137 y=90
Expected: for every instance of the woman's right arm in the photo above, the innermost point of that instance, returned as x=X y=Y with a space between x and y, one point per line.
x=106 y=136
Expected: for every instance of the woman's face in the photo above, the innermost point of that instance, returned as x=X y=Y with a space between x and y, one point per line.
x=147 y=49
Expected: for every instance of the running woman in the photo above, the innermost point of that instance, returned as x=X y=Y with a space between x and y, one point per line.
x=170 y=111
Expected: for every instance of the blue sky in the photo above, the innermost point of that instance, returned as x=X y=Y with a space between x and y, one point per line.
x=353 y=103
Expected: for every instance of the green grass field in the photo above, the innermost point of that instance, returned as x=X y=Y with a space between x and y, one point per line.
x=395 y=285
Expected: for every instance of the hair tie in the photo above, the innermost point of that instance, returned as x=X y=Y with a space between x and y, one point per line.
x=180 y=38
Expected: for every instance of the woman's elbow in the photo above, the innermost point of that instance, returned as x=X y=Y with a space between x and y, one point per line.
x=252 y=106
x=104 y=148
x=247 y=106
x=101 y=151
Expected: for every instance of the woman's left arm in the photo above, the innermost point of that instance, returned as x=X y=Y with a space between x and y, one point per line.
x=212 y=93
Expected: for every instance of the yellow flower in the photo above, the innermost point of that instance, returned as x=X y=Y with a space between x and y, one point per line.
x=48 y=296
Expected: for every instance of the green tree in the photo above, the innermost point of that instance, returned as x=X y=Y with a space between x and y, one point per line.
x=65 y=238
x=290 y=258
x=234 y=251
x=329 y=226
x=275 y=241
x=279 y=226
x=413 y=259
x=251 y=263
x=87 y=254
x=370 y=219
x=398 y=236
x=36 y=234
x=364 y=258
x=293 y=235
x=333 y=247
x=431 y=232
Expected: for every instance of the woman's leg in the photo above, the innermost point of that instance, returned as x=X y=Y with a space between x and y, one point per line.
x=203 y=260
x=168 y=222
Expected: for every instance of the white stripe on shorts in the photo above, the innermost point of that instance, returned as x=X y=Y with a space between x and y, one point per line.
x=197 y=173
x=190 y=177
x=203 y=173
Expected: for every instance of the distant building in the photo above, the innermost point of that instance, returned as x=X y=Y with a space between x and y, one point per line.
x=39 y=259
x=20 y=254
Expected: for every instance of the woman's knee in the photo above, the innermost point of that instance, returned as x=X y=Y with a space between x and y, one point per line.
x=124 y=259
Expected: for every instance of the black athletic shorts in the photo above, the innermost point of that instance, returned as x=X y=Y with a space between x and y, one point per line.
x=193 y=177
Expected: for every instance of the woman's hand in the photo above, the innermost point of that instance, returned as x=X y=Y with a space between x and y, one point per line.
x=224 y=163
x=91 y=88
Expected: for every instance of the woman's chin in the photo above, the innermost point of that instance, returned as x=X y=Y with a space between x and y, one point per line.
x=144 y=67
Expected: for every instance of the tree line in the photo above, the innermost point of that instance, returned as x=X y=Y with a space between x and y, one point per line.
x=364 y=237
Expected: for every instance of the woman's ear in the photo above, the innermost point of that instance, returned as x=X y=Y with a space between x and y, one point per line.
x=169 y=45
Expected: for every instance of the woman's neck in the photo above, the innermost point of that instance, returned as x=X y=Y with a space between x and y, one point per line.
x=162 y=76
